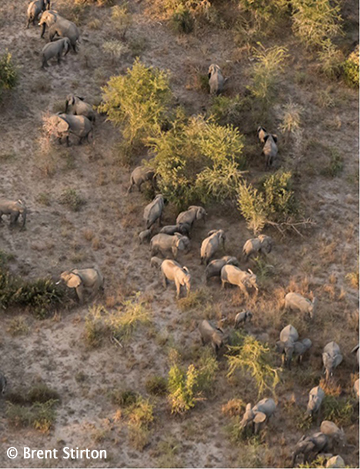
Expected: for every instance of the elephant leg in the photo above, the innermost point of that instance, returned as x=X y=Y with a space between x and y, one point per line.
x=164 y=279
x=80 y=140
x=67 y=141
x=178 y=287
x=59 y=58
x=202 y=341
x=223 y=284
x=80 y=293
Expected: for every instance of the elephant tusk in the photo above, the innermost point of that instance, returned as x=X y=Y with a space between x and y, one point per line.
x=57 y=283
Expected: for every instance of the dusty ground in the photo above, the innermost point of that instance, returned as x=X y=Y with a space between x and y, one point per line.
x=104 y=232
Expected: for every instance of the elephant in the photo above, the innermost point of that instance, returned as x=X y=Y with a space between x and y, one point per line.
x=34 y=10
x=286 y=345
x=356 y=350
x=248 y=418
x=163 y=243
x=144 y=236
x=14 y=208
x=235 y=276
x=262 y=244
x=3 y=383
x=270 y=150
x=213 y=269
x=255 y=418
x=356 y=388
x=335 y=434
x=78 y=107
x=331 y=358
x=216 y=79
x=300 y=347
x=140 y=175
x=182 y=228
x=191 y=214
x=316 y=396
x=211 y=245
x=173 y=272
x=83 y=279
x=242 y=317
x=262 y=133
x=156 y=262
x=65 y=124
x=55 y=49
x=153 y=211
x=296 y=302
x=308 y=445
x=213 y=335
x=59 y=26
x=335 y=461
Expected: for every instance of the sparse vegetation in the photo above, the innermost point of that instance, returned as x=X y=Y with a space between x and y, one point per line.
x=121 y=19
x=351 y=68
x=337 y=410
x=72 y=199
x=156 y=385
x=8 y=73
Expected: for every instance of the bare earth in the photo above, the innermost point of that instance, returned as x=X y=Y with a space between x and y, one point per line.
x=104 y=232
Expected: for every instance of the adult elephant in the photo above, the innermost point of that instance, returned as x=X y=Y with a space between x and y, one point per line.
x=55 y=49
x=34 y=10
x=59 y=26
x=64 y=124
x=78 y=107
x=82 y=280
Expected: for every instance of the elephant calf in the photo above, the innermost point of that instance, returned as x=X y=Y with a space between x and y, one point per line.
x=296 y=302
x=192 y=214
x=82 y=280
x=14 y=208
x=316 y=396
x=34 y=10
x=335 y=434
x=211 y=245
x=144 y=236
x=78 y=107
x=261 y=244
x=164 y=243
x=140 y=175
x=153 y=211
x=212 y=335
x=173 y=272
x=242 y=317
x=235 y=276
x=182 y=228
x=331 y=358
x=255 y=418
x=55 y=49
x=216 y=79
x=213 y=269
x=288 y=336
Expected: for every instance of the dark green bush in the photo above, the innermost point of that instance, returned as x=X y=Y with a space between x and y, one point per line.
x=124 y=398
x=182 y=20
x=351 y=69
x=156 y=385
x=8 y=73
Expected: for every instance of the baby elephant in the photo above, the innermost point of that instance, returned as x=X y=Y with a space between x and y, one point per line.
x=140 y=175
x=262 y=244
x=331 y=358
x=335 y=434
x=316 y=396
x=255 y=418
x=241 y=318
x=62 y=125
x=78 y=107
x=173 y=272
x=14 y=208
x=55 y=49
x=296 y=302
x=193 y=213
x=34 y=10
x=213 y=269
x=144 y=236
x=216 y=79
x=182 y=228
x=156 y=262
x=81 y=280
x=164 y=243
x=286 y=345
x=234 y=276
x=211 y=335
x=211 y=245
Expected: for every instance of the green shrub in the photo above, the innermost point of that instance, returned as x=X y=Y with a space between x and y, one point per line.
x=124 y=398
x=274 y=202
x=314 y=21
x=156 y=385
x=8 y=73
x=137 y=102
x=291 y=120
x=339 y=411
x=253 y=357
x=336 y=164
x=72 y=199
x=226 y=110
x=121 y=18
x=351 y=68
x=181 y=384
x=207 y=367
x=115 y=49
x=182 y=20
x=269 y=64
x=198 y=160
x=140 y=416
x=330 y=59
x=195 y=299
x=264 y=14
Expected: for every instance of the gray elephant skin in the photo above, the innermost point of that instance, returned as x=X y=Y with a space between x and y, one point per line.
x=296 y=302
x=261 y=133
x=78 y=107
x=153 y=211
x=212 y=335
x=14 y=208
x=216 y=79
x=59 y=26
x=144 y=236
x=83 y=280
x=173 y=272
x=335 y=461
x=55 y=49
x=270 y=150
x=255 y=418
x=213 y=269
x=242 y=317
x=235 y=276
x=192 y=214
x=211 y=244
x=140 y=175
x=288 y=336
x=332 y=358
x=62 y=125
x=310 y=446
x=262 y=244
x=182 y=228
x=34 y=10
x=316 y=396
x=163 y=243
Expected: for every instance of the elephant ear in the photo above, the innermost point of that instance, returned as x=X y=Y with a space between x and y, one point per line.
x=61 y=125
x=260 y=417
x=73 y=281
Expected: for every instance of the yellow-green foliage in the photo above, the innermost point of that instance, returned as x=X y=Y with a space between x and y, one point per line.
x=331 y=59
x=269 y=63
x=198 y=160
x=351 y=68
x=264 y=13
x=273 y=202
x=140 y=417
x=181 y=384
x=121 y=18
x=254 y=357
x=339 y=411
x=137 y=102
x=207 y=367
x=314 y=21
x=8 y=73
x=291 y=120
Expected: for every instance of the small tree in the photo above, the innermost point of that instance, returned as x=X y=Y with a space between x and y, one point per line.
x=351 y=68
x=182 y=395
x=8 y=73
x=138 y=102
